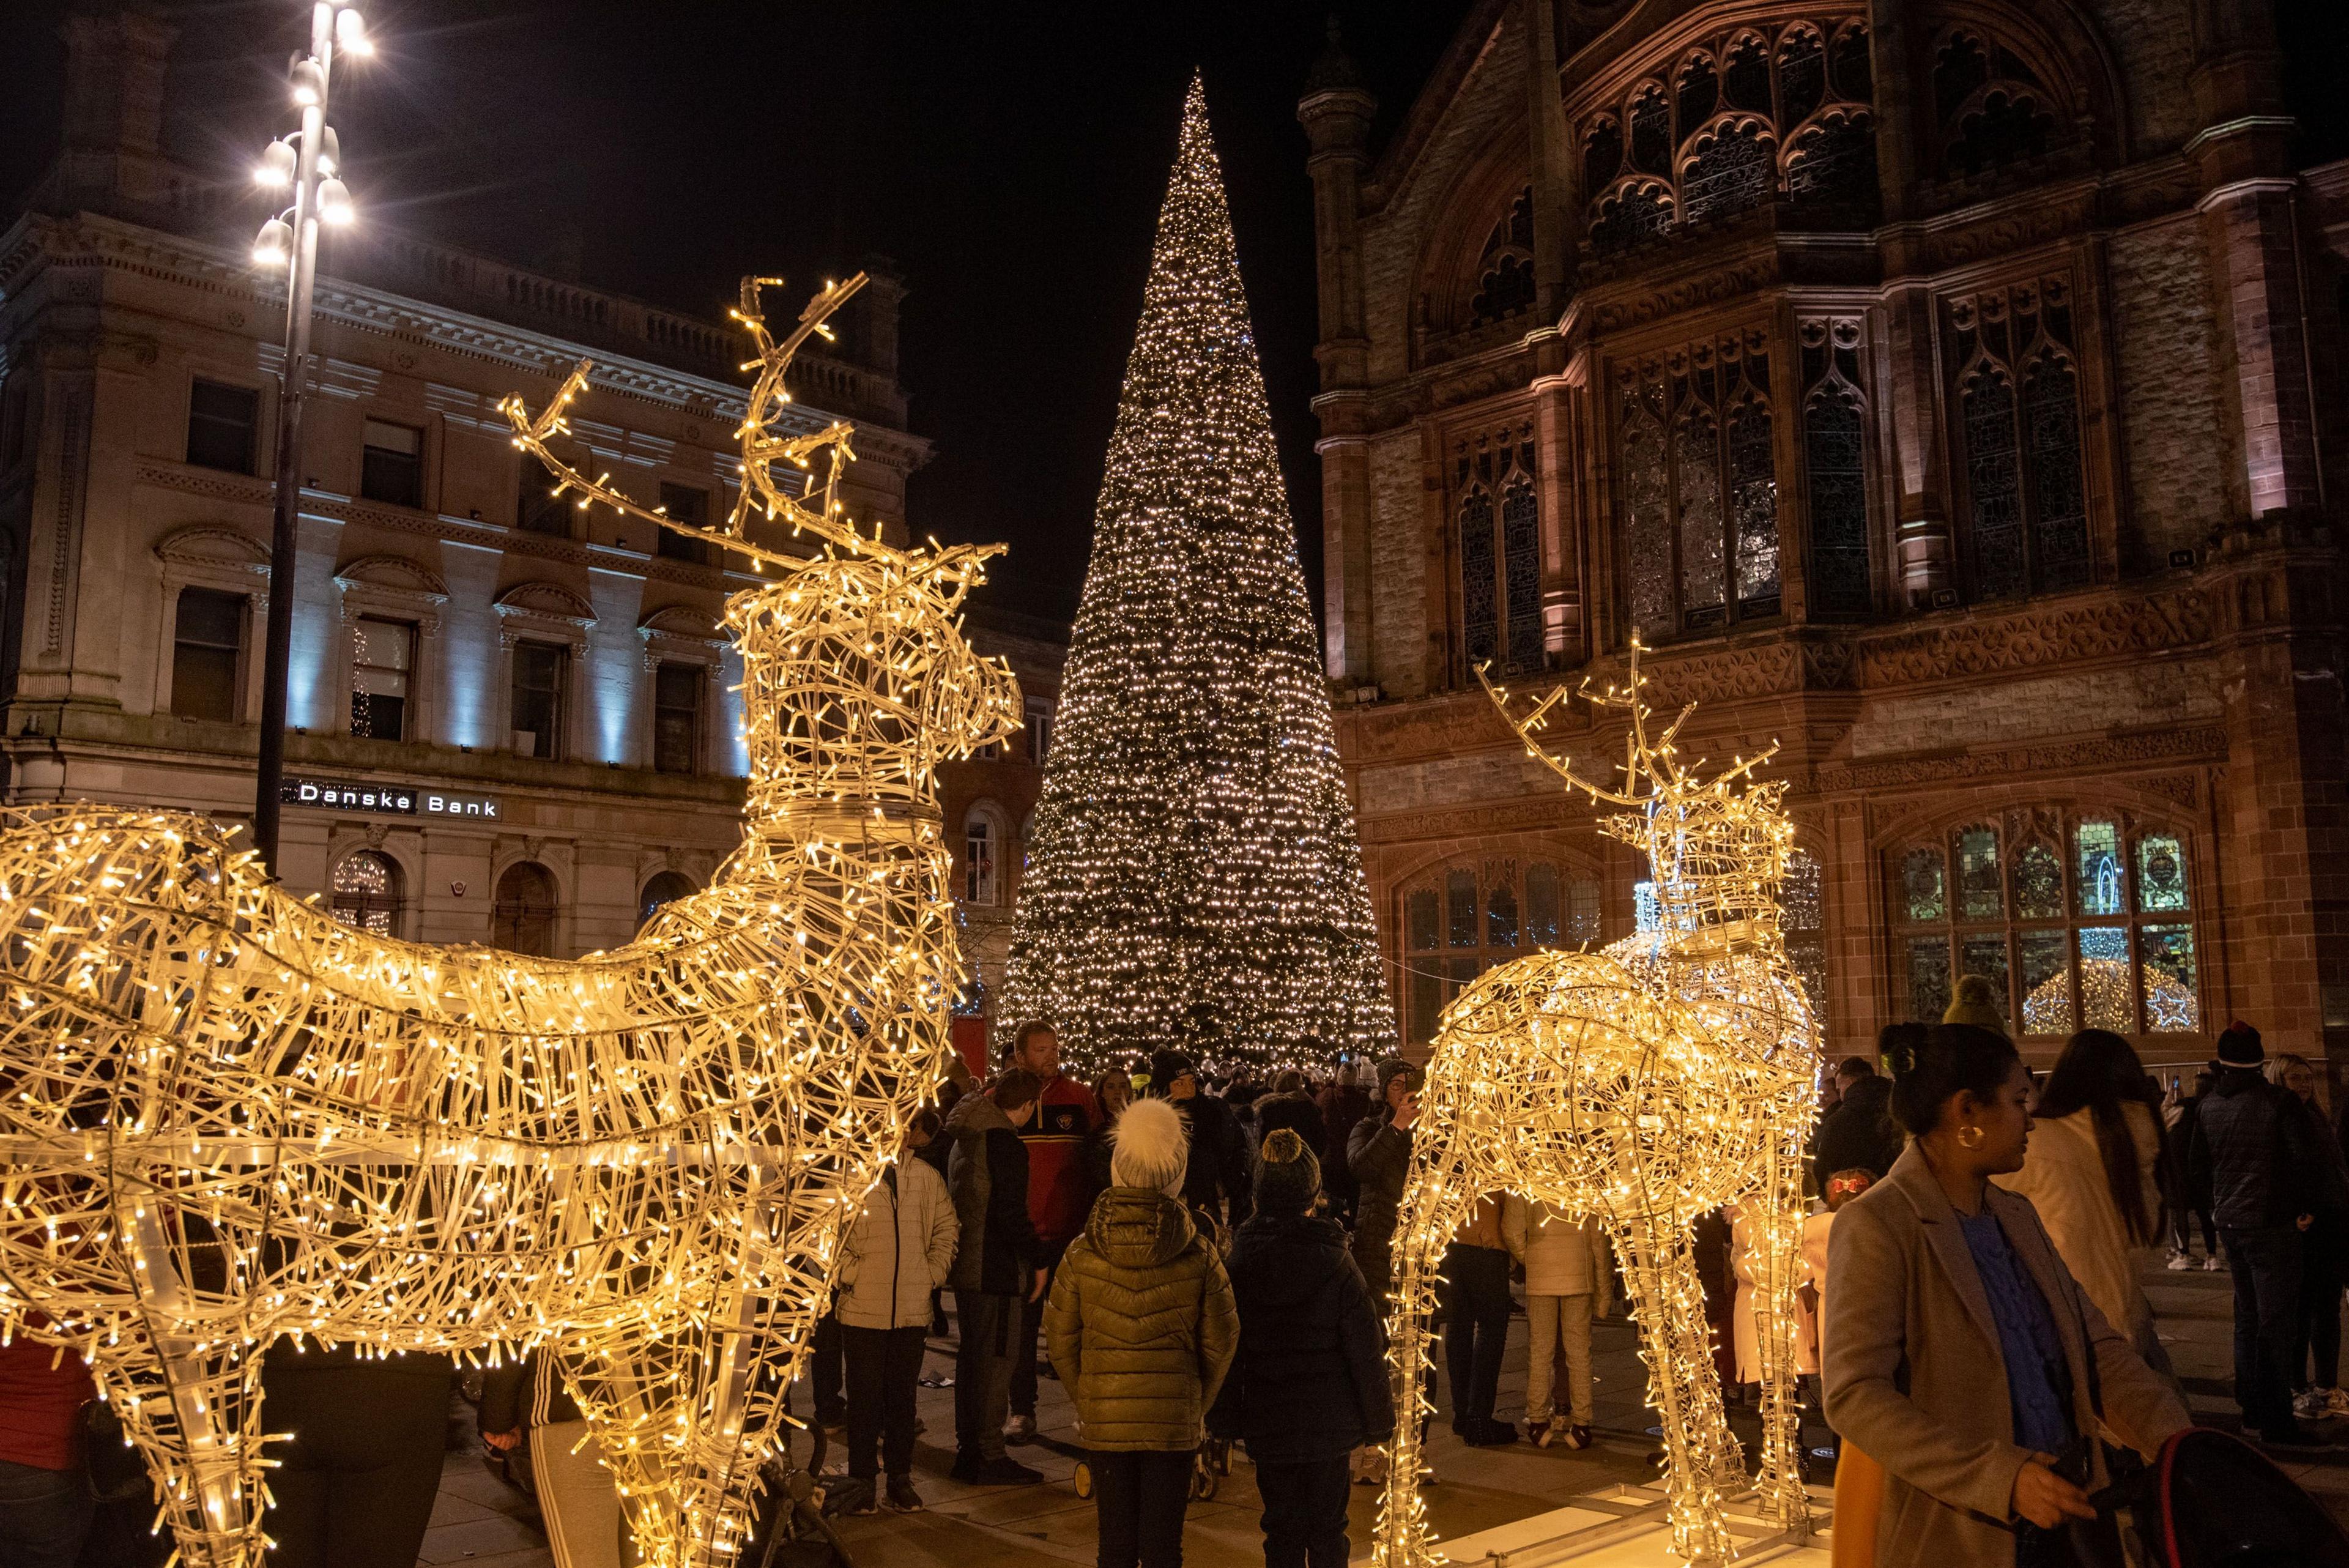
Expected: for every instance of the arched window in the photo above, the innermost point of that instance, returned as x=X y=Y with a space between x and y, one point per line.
x=1462 y=920
x=982 y=843
x=522 y=920
x=2026 y=512
x=365 y=890
x=665 y=887
x=1992 y=107
x=1505 y=272
x=1700 y=512
x=1803 y=915
x=2078 y=920
x=1835 y=463
x=1499 y=522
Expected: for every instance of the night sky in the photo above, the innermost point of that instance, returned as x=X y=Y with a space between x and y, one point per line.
x=1009 y=159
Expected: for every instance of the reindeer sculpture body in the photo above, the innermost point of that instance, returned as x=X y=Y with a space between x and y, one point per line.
x=1669 y=1075
x=227 y=1118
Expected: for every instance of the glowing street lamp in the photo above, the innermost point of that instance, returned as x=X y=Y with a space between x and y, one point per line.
x=309 y=162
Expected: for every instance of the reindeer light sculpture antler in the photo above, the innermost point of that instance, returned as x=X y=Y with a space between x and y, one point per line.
x=1669 y=1075
x=228 y=1118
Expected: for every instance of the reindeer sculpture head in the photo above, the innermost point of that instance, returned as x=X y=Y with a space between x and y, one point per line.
x=857 y=680
x=1717 y=848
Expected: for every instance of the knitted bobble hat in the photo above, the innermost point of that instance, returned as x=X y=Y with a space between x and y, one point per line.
x=1149 y=1147
x=1287 y=1177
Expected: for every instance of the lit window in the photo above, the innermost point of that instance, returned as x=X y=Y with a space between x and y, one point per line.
x=207 y=654
x=2076 y=921
x=677 y=717
x=391 y=464
x=538 y=680
x=1472 y=916
x=979 y=849
x=220 y=425
x=383 y=657
x=365 y=893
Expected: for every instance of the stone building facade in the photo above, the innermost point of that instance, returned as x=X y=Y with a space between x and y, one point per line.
x=515 y=722
x=1946 y=390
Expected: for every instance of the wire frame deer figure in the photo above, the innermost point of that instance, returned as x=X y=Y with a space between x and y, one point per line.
x=227 y=1118
x=1669 y=1075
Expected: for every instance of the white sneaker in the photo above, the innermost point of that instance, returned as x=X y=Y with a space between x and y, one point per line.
x=2309 y=1403
x=2213 y=1263
x=2336 y=1403
x=2178 y=1261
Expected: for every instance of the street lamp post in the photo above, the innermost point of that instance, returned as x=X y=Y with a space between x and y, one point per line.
x=309 y=161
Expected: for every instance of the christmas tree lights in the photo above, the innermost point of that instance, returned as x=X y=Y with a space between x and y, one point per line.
x=231 y=1117
x=1193 y=875
x=1671 y=1075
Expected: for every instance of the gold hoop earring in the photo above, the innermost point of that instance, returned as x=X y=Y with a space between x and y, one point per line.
x=1970 y=1137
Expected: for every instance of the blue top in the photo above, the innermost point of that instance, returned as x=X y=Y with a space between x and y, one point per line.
x=2038 y=1379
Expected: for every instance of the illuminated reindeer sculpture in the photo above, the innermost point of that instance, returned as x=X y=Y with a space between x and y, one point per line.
x=227 y=1118
x=1669 y=1075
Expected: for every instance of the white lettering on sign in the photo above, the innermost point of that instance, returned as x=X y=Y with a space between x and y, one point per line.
x=394 y=800
x=475 y=806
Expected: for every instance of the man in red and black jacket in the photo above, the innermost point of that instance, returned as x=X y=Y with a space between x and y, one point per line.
x=1060 y=1194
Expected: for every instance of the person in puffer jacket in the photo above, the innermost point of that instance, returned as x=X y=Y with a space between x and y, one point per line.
x=900 y=1249
x=1309 y=1385
x=1142 y=1327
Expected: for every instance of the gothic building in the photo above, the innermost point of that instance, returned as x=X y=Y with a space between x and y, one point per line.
x=515 y=722
x=1946 y=390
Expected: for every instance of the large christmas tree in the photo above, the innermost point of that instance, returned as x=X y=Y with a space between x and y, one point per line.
x=1193 y=877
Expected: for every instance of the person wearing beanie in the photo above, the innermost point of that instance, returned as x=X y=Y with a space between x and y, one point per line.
x=1310 y=1386
x=1141 y=1328
x=1976 y=1004
x=1216 y=1184
x=998 y=1268
x=2250 y=1163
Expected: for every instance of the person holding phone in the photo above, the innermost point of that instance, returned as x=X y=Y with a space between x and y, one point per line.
x=1378 y=1151
x=1942 y=1285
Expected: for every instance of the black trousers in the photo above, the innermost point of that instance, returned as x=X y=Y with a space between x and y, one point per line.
x=1023 y=1370
x=2266 y=1265
x=356 y=1489
x=2318 y=1334
x=1475 y=1329
x=824 y=1367
x=1305 y=1513
x=1138 y=1503
x=885 y=1365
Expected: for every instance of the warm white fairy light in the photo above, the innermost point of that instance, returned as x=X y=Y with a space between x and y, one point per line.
x=1193 y=875
x=229 y=1118
x=1668 y=1075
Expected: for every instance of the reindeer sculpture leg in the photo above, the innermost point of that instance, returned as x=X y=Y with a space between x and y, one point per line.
x=1444 y=1186
x=1778 y=1243
x=1668 y=1299
x=196 y=1420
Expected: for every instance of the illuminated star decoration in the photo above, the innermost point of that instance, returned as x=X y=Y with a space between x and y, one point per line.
x=1193 y=875
x=230 y=1117
x=1668 y=1075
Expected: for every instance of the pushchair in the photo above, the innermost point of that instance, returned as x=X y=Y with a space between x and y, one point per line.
x=2211 y=1501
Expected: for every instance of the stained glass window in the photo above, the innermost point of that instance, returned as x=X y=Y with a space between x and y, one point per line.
x=1703 y=580
x=1834 y=445
x=1582 y=916
x=1980 y=897
x=1923 y=886
x=2038 y=883
x=1500 y=904
x=2106 y=1002
x=1753 y=494
x=1802 y=76
x=1994 y=489
x=1541 y=906
x=2096 y=867
x=1746 y=83
x=1460 y=895
x=1420 y=920
x=1630 y=216
x=2167 y=954
x=2051 y=414
x=1929 y=978
x=1479 y=590
x=1651 y=132
x=1647 y=521
x=1521 y=575
x=2160 y=873
x=1700 y=92
x=2046 y=964
x=1833 y=164
x=1602 y=156
x=1985 y=954
x=1806 y=925
x=1850 y=67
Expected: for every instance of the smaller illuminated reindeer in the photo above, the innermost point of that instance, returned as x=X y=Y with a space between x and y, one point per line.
x=1668 y=1075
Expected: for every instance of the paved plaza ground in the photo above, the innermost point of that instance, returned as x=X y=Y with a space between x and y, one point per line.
x=482 y=1521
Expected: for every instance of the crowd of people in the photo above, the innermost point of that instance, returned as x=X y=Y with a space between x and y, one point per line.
x=1202 y=1262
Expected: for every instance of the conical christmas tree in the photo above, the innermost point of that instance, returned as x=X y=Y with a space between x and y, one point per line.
x=1194 y=876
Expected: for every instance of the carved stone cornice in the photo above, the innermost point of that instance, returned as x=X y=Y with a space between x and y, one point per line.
x=2099 y=753
x=2099 y=626
x=1468 y=821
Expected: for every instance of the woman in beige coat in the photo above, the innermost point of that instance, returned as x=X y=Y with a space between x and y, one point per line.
x=1942 y=1287
x=2092 y=1173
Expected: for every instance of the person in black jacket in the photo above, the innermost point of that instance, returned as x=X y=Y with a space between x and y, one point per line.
x=1309 y=1385
x=1860 y=1134
x=997 y=1267
x=1379 y=1150
x=2184 y=1208
x=2252 y=1165
x=1218 y=1176
x=1290 y=1105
